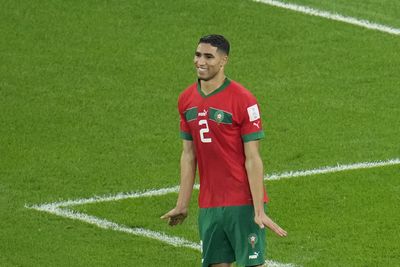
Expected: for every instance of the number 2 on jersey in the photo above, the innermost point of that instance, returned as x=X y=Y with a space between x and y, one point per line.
x=204 y=131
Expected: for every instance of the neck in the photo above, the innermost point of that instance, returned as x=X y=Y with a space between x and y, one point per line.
x=210 y=86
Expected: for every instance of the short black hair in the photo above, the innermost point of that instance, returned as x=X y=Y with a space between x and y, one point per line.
x=216 y=40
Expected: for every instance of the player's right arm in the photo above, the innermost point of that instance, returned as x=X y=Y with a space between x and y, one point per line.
x=188 y=172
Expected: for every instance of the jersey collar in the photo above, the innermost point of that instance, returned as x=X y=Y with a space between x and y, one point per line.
x=222 y=87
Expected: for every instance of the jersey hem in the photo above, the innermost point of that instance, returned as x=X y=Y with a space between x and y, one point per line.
x=239 y=204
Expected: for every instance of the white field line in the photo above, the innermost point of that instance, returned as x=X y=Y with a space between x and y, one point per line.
x=105 y=224
x=175 y=189
x=116 y=197
x=332 y=16
x=330 y=169
x=59 y=208
x=270 y=263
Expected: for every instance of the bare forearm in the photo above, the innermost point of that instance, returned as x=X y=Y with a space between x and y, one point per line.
x=254 y=168
x=255 y=173
x=188 y=172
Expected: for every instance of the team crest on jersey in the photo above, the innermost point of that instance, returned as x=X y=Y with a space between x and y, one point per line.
x=219 y=116
x=252 y=238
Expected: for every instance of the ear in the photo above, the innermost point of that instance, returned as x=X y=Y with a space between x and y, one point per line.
x=224 y=60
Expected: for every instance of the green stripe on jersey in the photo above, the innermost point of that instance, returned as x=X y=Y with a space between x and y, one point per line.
x=220 y=116
x=186 y=136
x=190 y=114
x=253 y=136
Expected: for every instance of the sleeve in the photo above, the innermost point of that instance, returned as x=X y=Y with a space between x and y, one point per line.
x=250 y=119
x=184 y=127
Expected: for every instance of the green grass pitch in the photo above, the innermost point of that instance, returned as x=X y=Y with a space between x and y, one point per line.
x=88 y=93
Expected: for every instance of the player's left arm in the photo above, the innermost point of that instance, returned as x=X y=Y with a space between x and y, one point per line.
x=255 y=174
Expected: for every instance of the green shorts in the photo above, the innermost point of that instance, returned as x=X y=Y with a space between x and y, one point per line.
x=229 y=234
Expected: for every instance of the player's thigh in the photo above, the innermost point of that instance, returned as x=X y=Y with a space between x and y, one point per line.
x=216 y=248
x=246 y=237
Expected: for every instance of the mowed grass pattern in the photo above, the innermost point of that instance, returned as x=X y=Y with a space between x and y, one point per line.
x=88 y=94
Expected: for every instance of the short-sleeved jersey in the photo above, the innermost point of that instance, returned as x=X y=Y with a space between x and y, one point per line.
x=219 y=124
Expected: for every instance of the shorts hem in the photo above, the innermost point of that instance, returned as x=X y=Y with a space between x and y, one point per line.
x=216 y=261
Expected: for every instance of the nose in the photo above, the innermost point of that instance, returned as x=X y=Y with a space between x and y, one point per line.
x=200 y=61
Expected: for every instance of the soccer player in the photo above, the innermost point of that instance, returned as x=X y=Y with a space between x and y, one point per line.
x=220 y=126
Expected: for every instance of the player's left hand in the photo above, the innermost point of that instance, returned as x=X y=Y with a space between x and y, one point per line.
x=263 y=220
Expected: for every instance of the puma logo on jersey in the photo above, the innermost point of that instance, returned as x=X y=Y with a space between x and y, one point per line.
x=257 y=124
x=204 y=113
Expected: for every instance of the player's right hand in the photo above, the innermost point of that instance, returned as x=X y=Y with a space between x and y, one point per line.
x=175 y=216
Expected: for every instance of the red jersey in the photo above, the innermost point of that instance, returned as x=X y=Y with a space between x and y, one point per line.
x=219 y=124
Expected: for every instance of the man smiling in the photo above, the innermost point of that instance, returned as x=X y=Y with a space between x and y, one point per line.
x=221 y=128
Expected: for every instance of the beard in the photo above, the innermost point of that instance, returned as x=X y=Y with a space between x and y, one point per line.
x=207 y=78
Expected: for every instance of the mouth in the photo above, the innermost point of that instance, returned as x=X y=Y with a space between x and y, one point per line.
x=201 y=69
